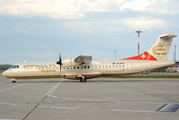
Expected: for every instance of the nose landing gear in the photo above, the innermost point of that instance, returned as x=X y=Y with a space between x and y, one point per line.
x=13 y=80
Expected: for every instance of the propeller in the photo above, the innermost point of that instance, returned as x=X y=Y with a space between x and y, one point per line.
x=59 y=62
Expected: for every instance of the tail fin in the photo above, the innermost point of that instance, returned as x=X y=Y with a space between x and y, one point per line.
x=159 y=51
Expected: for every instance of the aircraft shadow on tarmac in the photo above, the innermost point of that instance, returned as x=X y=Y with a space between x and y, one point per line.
x=96 y=80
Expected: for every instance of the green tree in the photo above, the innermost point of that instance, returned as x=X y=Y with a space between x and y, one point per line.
x=5 y=66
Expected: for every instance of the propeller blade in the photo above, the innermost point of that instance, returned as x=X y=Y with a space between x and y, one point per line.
x=59 y=62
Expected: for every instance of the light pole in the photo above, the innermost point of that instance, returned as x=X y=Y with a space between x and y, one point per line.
x=175 y=53
x=173 y=56
x=138 y=40
x=115 y=54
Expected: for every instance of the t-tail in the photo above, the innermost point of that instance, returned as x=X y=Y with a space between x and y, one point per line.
x=159 y=51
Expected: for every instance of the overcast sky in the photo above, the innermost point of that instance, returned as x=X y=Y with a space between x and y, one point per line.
x=37 y=30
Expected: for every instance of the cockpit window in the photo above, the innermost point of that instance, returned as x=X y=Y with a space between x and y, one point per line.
x=15 y=66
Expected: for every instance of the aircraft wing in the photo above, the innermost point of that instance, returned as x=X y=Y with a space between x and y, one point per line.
x=83 y=59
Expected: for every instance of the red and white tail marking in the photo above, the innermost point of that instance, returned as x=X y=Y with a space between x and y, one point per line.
x=143 y=56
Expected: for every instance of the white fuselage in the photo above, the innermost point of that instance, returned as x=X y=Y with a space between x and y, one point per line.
x=92 y=70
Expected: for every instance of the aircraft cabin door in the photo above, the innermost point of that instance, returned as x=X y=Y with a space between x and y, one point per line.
x=129 y=67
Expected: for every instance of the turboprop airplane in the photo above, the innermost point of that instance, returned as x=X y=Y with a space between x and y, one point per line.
x=83 y=68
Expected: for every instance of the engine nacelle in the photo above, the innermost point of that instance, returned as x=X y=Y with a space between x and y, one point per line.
x=69 y=63
x=82 y=59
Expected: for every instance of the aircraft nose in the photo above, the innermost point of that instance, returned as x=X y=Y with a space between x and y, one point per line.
x=4 y=73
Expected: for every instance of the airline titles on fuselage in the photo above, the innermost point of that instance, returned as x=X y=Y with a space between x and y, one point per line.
x=53 y=68
x=43 y=68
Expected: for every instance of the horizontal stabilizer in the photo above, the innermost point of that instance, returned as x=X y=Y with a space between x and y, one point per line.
x=168 y=36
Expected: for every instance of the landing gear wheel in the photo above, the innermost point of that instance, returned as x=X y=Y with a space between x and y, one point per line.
x=82 y=79
x=13 y=81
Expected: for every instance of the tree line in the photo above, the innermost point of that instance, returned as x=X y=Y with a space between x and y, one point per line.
x=5 y=66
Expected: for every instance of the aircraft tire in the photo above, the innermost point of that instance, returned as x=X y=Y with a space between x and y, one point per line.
x=13 y=81
x=82 y=80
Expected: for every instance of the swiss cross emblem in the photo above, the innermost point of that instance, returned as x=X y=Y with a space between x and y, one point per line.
x=143 y=56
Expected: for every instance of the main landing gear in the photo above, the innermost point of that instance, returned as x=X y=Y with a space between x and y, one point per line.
x=82 y=79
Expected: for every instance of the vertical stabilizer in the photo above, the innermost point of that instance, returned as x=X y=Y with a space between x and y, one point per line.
x=161 y=48
x=159 y=51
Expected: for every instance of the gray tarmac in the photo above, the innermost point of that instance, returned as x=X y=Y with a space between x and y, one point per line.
x=97 y=99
